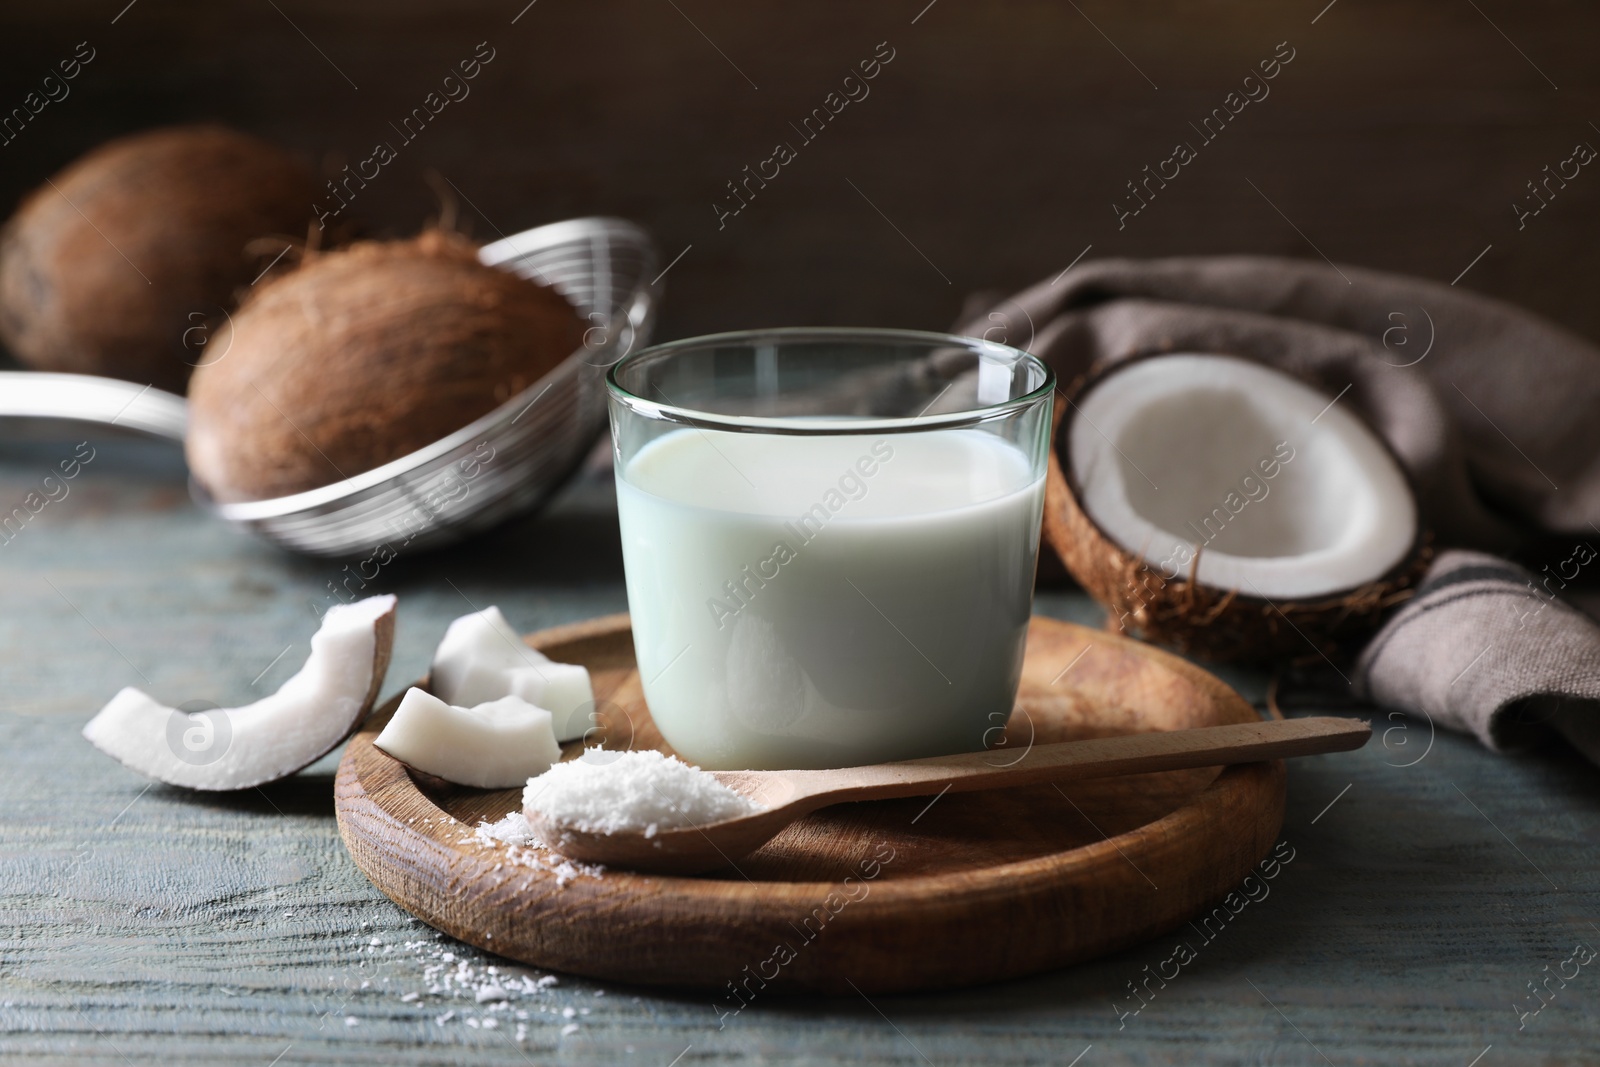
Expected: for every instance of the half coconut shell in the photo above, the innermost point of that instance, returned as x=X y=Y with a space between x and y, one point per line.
x=1171 y=606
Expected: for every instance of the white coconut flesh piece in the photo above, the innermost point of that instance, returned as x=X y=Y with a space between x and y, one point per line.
x=235 y=748
x=495 y=745
x=482 y=659
x=1282 y=492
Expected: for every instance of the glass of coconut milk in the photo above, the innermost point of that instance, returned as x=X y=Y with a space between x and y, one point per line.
x=830 y=538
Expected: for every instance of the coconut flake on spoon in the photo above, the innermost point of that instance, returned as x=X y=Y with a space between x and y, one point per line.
x=641 y=791
x=272 y=738
x=1208 y=501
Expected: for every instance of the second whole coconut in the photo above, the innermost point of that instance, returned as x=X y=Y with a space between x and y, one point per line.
x=363 y=356
x=123 y=263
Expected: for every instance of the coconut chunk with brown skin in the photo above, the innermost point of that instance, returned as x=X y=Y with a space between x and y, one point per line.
x=482 y=658
x=494 y=745
x=235 y=748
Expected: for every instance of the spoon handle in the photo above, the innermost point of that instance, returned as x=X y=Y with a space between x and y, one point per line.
x=1101 y=757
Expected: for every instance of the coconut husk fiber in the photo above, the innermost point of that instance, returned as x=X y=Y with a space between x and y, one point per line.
x=1490 y=410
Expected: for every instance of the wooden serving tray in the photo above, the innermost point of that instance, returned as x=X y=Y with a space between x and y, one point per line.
x=878 y=897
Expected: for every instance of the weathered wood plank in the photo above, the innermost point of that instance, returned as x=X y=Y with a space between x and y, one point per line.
x=150 y=926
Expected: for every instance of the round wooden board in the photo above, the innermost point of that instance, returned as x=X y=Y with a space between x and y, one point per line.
x=880 y=897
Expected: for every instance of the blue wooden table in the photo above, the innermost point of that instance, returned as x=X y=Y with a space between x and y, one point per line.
x=1430 y=912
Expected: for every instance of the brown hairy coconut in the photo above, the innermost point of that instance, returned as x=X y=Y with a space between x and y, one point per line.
x=120 y=264
x=362 y=356
x=1157 y=465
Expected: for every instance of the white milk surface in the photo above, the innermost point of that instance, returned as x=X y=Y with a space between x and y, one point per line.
x=828 y=601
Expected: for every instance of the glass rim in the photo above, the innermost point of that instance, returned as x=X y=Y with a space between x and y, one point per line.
x=690 y=416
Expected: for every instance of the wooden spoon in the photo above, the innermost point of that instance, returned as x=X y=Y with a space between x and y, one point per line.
x=787 y=795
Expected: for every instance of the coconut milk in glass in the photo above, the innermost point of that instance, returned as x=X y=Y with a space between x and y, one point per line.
x=830 y=540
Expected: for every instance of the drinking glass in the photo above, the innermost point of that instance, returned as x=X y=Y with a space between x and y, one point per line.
x=830 y=538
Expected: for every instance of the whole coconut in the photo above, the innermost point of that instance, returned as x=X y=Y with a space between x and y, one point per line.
x=362 y=356
x=120 y=264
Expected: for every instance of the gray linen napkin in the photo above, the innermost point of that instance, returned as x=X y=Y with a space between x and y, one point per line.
x=1486 y=647
x=1492 y=411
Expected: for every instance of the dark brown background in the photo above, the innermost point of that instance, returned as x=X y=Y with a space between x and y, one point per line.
x=996 y=140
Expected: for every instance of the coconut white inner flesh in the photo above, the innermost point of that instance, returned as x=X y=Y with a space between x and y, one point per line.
x=1281 y=494
x=482 y=658
x=233 y=748
x=495 y=745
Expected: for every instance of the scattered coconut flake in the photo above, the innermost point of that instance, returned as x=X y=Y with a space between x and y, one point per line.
x=511 y=830
x=523 y=849
x=483 y=993
x=641 y=791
